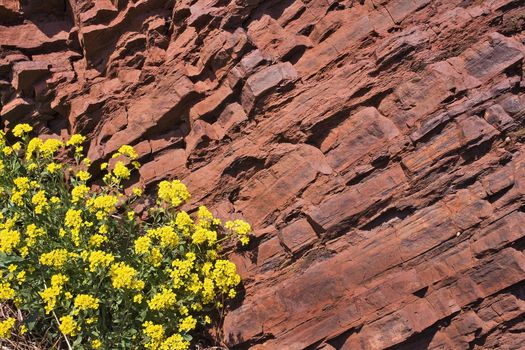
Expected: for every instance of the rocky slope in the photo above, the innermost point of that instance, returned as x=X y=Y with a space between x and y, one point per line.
x=375 y=146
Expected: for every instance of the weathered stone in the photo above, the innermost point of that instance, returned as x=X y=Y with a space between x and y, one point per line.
x=337 y=209
x=27 y=73
x=298 y=235
x=274 y=187
x=363 y=133
x=273 y=40
x=376 y=148
x=171 y=163
x=264 y=81
x=16 y=109
x=497 y=117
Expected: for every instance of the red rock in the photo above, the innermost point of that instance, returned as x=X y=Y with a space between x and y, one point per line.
x=298 y=235
x=27 y=73
x=259 y=84
x=207 y=108
x=29 y=36
x=171 y=163
x=230 y=118
x=344 y=206
x=16 y=110
x=375 y=147
x=200 y=135
x=271 y=39
x=497 y=117
x=344 y=146
x=269 y=251
x=489 y=58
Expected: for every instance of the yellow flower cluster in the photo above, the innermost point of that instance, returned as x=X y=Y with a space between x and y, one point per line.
x=241 y=228
x=21 y=129
x=86 y=302
x=173 y=193
x=164 y=300
x=55 y=258
x=84 y=252
x=124 y=276
x=50 y=294
x=68 y=325
x=6 y=327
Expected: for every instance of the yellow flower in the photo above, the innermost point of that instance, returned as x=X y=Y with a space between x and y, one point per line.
x=128 y=151
x=9 y=239
x=33 y=233
x=21 y=277
x=78 y=193
x=96 y=344
x=97 y=240
x=52 y=167
x=184 y=223
x=155 y=333
x=174 y=193
x=131 y=215
x=103 y=229
x=50 y=146
x=156 y=257
x=166 y=234
x=98 y=258
x=55 y=258
x=21 y=129
x=73 y=218
x=142 y=245
x=103 y=166
x=68 y=326
x=22 y=183
x=121 y=171
x=6 y=327
x=17 y=147
x=50 y=295
x=40 y=201
x=32 y=147
x=105 y=203
x=83 y=175
x=202 y=235
x=7 y=150
x=241 y=228
x=163 y=300
x=123 y=276
x=23 y=329
x=86 y=302
x=175 y=342
x=187 y=324
x=76 y=140
x=225 y=275
x=137 y=191
x=137 y=298
x=6 y=292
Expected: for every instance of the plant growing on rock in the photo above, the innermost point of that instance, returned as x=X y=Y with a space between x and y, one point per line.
x=75 y=259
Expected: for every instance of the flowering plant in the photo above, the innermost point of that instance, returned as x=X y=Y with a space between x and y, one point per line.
x=74 y=257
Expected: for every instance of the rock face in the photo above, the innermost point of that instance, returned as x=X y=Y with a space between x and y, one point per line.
x=375 y=146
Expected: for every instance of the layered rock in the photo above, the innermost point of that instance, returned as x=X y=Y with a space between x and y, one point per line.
x=375 y=146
